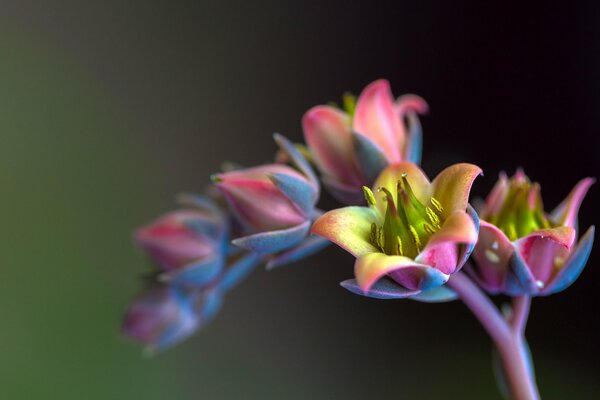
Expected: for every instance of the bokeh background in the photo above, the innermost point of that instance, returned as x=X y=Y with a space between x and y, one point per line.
x=108 y=109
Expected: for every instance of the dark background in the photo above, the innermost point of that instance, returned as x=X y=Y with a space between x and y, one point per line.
x=107 y=109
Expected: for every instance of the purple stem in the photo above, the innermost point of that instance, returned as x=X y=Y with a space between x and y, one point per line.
x=507 y=338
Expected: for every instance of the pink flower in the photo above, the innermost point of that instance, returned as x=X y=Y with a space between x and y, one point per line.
x=523 y=250
x=351 y=147
x=274 y=202
x=187 y=244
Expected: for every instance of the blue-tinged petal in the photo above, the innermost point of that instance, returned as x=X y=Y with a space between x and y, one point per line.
x=574 y=265
x=349 y=228
x=197 y=274
x=296 y=157
x=370 y=157
x=414 y=140
x=307 y=247
x=383 y=289
x=239 y=270
x=466 y=250
x=203 y=202
x=440 y=294
x=519 y=279
x=274 y=241
x=299 y=191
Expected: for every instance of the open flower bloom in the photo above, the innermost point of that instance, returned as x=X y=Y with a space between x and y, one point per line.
x=410 y=240
x=189 y=245
x=351 y=147
x=523 y=250
x=165 y=315
x=274 y=202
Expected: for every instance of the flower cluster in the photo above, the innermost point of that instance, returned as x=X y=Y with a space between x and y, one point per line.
x=409 y=235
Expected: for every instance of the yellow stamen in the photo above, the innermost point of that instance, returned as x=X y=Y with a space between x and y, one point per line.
x=436 y=203
x=399 y=246
x=415 y=237
x=369 y=197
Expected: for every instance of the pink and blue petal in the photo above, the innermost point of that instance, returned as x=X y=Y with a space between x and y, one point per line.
x=573 y=266
x=297 y=190
x=440 y=294
x=371 y=159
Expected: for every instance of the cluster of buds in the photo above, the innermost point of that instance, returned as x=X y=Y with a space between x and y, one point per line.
x=195 y=267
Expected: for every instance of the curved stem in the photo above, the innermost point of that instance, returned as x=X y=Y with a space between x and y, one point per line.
x=508 y=340
x=521 y=306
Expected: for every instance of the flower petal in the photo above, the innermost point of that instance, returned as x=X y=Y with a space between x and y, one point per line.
x=495 y=200
x=297 y=158
x=566 y=212
x=410 y=103
x=541 y=249
x=441 y=251
x=274 y=241
x=307 y=247
x=466 y=250
x=392 y=174
x=260 y=204
x=452 y=186
x=371 y=158
x=413 y=149
x=375 y=118
x=328 y=135
x=440 y=294
x=348 y=227
x=574 y=265
x=369 y=268
x=384 y=289
x=519 y=279
x=299 y=191
x=491 y=255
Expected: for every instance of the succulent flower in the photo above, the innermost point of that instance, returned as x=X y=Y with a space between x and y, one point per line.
x=274 y=202
x=410 y=240
x=350 y=147
x=188 y=244
x=522 y=249
x=165 y=315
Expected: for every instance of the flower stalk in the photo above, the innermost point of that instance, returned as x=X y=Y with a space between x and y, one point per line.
x=507 y=334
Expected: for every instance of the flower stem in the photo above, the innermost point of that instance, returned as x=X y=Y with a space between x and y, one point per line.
x=508 y=338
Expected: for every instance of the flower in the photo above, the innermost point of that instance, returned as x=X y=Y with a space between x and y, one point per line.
x=409 y=242
x=187 y=244
x=165 y=315
x=351 y=147
x=523 y=250
x=274 y=202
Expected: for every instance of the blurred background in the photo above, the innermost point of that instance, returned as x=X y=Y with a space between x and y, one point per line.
x=108 y=109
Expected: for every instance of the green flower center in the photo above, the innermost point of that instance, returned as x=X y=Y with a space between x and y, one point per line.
x=408 y=224
x=522 y=211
